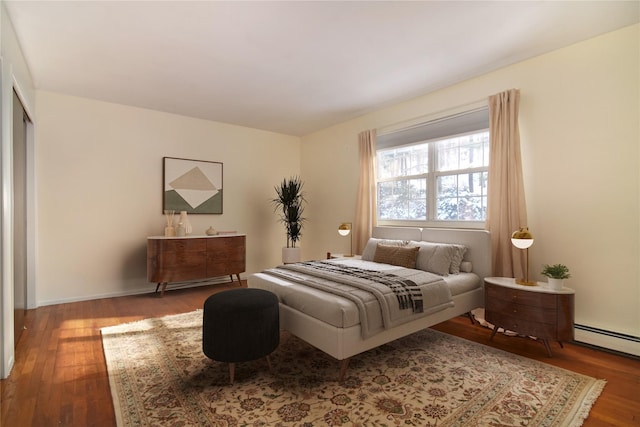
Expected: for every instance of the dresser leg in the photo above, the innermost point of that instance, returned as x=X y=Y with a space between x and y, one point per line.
x=546 y=345
x=164 y=286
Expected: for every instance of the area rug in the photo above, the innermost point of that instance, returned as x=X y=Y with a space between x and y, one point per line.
x=160 y=377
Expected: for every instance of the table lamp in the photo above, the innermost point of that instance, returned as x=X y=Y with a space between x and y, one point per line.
x=344 y=230
x=523 y=239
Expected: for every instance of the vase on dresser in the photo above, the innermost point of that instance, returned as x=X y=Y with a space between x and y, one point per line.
x=184 y=219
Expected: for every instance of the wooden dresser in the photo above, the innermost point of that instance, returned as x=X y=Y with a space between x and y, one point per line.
x=178 y=259
x=535 y=311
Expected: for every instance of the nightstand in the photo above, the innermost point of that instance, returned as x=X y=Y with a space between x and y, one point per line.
x=332 y=255
x=529 y=310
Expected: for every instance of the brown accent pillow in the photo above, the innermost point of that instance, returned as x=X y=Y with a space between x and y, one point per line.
x=402 y=256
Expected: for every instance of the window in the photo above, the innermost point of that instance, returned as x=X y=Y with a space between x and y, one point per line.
x=435 y=181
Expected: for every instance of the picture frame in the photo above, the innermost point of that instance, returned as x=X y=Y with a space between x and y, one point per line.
x=194 y=186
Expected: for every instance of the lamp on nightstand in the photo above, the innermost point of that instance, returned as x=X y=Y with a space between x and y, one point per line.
x=344 y=230
x=523 y=239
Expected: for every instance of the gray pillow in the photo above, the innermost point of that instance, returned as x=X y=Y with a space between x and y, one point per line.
x=434 y=257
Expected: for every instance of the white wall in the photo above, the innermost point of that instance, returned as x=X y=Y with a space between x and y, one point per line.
x=580 y=132
x=99 y=178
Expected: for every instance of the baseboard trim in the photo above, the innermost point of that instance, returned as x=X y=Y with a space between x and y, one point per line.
x=146 y=290
x=618 y=342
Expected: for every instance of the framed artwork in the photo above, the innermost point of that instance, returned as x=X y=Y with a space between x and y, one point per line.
x=194 y=186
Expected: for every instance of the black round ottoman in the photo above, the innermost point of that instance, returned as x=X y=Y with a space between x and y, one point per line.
x=239 y=325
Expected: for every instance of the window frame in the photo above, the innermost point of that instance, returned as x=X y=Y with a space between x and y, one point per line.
x=431 y=186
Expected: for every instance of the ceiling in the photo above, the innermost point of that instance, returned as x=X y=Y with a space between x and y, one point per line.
x=291 y=67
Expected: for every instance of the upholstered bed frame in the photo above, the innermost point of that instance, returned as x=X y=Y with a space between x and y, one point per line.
x=342 y=343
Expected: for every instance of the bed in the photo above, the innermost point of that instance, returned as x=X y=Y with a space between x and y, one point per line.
x=332 y=322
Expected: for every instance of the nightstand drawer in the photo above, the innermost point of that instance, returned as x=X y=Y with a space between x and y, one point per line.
x=535 y=299
x=530 y=312
x=522 y=326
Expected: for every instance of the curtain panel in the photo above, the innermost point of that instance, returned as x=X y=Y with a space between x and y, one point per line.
x=506 y=207
x=366 y=216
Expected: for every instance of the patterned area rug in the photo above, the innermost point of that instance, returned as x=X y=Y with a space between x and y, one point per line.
x=160 y=377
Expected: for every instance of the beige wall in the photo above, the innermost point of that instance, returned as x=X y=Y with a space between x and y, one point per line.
x=580 y=136
x=99 y=179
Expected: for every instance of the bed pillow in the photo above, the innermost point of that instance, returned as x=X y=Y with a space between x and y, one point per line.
x=459 y=251
x=435 y=257
x=466 y=267
x=402 y=256
x=370 y=249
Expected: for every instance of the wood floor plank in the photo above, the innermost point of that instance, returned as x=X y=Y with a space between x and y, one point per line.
x=60 y=376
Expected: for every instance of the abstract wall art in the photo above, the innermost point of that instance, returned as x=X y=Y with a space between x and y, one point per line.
x=194 y=186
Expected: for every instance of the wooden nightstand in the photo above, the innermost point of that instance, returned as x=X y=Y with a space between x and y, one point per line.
x=332 y=255
x=529 y=310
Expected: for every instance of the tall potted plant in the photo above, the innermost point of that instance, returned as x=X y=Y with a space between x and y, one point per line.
x=289 y=203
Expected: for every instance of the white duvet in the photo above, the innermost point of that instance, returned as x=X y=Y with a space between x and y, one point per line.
x=379 y=306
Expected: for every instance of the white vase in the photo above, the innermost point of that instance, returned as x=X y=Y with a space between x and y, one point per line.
x=291 y=255
x=555 y=284
x=185 y=222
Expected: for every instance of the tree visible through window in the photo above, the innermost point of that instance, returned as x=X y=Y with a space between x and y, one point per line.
x=438 y=180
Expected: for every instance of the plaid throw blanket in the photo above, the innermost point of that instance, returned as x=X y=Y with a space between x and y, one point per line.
x=407 y=291
x=385 y=297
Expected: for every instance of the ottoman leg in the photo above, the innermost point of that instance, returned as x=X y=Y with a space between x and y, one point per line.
x=232 y=371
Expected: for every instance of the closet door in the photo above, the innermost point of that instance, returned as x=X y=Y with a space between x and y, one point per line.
x=19 y=216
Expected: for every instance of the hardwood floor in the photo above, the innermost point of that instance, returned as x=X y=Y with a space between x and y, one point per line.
x=60 y=376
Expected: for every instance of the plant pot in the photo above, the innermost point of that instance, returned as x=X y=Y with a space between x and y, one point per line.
x=556 y=284
x=291 y=255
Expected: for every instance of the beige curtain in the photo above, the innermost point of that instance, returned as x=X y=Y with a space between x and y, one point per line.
x=366 y=217
x=506 y=207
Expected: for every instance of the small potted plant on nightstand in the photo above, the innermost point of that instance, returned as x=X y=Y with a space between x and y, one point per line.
x=556 y=274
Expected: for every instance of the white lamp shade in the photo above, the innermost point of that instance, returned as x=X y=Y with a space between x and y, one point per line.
x=522 y=238
x=344 y=229
x=522 y=243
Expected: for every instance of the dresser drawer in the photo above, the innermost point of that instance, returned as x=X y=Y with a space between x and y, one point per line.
x=177 y=266
x=184 y=245
x=227 y=249
x=535 y=299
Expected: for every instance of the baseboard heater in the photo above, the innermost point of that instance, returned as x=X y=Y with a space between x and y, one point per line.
x=608 y=340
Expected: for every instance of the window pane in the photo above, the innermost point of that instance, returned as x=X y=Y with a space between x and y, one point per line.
x=454 y=169
x=404 y=161
x=403 y=199
x=463 y=152
x=462 y=197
